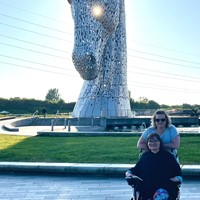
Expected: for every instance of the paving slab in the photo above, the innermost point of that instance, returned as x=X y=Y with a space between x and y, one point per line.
x=19 y=186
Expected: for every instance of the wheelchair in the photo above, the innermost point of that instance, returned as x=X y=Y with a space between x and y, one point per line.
x=134 y=181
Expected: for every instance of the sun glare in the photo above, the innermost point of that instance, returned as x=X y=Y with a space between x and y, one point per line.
x=97 y=11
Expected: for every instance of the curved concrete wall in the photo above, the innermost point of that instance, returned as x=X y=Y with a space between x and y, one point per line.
x=106 y=122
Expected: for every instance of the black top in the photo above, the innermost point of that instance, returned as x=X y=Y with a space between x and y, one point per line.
x=155 y=170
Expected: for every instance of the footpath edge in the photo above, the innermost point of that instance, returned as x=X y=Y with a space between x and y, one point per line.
x=82 y=168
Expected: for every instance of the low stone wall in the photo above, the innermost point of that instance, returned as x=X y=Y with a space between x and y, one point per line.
x=10 y=128
x=108 y=123
x=188 y=171
x=185 y=121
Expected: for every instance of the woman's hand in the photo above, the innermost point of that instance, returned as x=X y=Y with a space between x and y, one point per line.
x=129 y=174
x=174 y=179
x=177 y=179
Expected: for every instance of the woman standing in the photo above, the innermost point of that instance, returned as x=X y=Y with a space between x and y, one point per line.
x=161 y=124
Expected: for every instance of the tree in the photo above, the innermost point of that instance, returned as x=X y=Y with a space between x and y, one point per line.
x=52 y=95
x=143 y=100
x=186 y=106
x=153 y=105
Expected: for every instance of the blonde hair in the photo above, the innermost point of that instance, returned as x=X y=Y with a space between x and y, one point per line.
x=160 y=112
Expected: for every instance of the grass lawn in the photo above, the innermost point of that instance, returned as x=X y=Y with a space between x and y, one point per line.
x=121 y=150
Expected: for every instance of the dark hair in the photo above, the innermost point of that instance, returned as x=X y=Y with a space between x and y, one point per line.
x=160 y=112
x=157 y=136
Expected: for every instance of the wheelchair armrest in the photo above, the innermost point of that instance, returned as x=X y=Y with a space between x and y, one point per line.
x=178 y=184
x=133 y=180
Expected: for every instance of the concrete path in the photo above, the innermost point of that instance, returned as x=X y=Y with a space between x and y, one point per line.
x=7 y=128
x=53 y=187
x=46 y=130
x=25 y=130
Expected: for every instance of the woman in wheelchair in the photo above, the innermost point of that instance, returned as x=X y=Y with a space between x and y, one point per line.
x=156 y=175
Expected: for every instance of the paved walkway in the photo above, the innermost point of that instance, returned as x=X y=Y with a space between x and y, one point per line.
x=7 y=128
x=25 y=130
x=51 y=187
x=34 y=130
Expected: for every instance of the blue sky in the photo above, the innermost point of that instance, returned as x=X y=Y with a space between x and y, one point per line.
x=163 y=45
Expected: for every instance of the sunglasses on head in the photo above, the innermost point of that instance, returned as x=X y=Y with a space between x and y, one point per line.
x=160 y=120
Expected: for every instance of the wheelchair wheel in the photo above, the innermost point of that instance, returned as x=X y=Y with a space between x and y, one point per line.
x=178 y=195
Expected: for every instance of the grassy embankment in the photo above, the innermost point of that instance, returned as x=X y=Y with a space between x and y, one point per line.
x=121 y=150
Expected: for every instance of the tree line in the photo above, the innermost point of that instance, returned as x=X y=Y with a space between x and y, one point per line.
x=24 y=106
x=53 y=103
x=18 y=105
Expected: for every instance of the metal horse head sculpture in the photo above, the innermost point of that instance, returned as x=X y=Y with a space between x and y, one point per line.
x=100 y=57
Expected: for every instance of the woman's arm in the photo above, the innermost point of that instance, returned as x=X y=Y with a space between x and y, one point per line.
x=174 y=144
x=141 y=144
